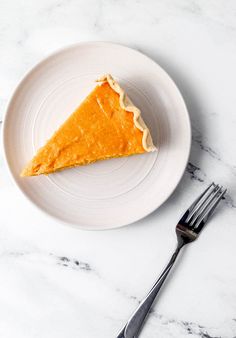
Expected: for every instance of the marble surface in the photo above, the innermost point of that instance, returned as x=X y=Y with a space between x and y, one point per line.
x=59 y=282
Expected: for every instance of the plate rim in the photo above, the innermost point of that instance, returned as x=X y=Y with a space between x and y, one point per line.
x=17 y=88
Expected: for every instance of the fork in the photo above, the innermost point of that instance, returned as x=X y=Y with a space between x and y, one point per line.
x=187 y=230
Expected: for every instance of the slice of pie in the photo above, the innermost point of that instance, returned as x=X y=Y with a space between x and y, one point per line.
x=105 y=125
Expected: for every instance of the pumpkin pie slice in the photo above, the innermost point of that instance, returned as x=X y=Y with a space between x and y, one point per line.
x=105 y=125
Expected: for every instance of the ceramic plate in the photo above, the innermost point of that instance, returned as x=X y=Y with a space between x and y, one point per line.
x=111 y=193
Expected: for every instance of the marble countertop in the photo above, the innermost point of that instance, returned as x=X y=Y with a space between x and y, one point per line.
x=59 y=282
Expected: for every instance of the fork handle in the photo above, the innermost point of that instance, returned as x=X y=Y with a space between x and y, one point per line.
x=136 y=321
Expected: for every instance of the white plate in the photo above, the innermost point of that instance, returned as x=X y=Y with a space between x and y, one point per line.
x=111 y=193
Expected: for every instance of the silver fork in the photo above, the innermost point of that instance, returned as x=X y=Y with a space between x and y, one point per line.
x=187 y=230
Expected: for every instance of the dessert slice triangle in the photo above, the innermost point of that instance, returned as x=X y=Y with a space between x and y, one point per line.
x=105 y=125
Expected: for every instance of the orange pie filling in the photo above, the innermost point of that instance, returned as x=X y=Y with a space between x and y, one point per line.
x=100 y=128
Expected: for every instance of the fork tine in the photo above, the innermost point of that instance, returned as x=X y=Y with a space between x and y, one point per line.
x=198 y=202
x=199 y=211
x=209 y=211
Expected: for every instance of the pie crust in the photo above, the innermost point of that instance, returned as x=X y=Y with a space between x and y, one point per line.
x=128 y=105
